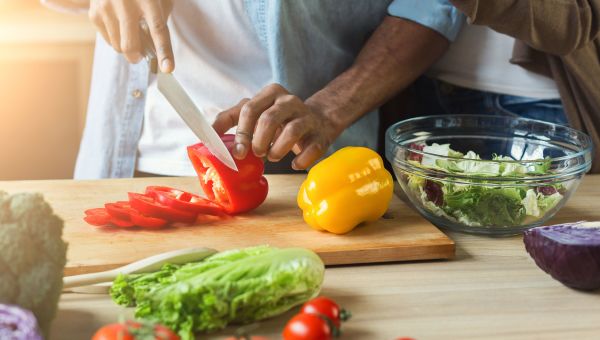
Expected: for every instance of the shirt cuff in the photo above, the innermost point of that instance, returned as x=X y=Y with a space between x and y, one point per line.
x=439 y=15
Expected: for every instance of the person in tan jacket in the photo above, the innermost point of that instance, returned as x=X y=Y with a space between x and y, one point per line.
x=556 y=38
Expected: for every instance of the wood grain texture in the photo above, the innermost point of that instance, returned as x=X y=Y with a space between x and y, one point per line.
x=491 y=290
x=402 y=236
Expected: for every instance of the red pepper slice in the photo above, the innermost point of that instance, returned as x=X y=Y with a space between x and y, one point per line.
x=118 y=210
x=183 y=200
x=122 y=223
x=100 y=217
x=236 y=192
x=124 y=211
x=148 y=206
x=147 y=221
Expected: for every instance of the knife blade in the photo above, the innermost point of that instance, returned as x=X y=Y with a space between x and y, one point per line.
x=184 y=105
x=194 y=118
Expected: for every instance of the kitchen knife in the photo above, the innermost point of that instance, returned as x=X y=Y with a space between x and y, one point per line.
x=193 y=117
x=184 y=105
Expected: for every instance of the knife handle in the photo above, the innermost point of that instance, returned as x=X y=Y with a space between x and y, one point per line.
x=148 y=46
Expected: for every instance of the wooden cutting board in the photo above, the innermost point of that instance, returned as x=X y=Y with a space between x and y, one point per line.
x=402 y=235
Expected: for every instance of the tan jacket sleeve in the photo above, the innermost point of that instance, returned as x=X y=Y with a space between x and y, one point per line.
x=553 y=26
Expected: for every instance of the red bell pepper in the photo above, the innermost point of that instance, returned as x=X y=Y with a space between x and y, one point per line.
x=148 y=206
x=183 y=200
x=123 y=211
x=100 y=217
x=236 y=192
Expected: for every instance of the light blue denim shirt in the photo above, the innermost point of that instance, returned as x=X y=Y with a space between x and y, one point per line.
x=308 y=42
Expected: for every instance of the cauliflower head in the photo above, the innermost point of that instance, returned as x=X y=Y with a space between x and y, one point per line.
x=32 y=255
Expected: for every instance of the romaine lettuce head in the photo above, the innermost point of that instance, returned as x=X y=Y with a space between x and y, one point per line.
x=237 y=286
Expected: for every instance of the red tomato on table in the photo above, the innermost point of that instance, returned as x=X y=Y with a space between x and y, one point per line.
x=326 y=307
x=307 y=327
x=236 y=192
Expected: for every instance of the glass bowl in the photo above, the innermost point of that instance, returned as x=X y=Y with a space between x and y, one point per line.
x=490 y=175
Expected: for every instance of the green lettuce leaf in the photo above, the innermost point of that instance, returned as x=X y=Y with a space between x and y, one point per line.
x=440 y=150
x=470 y=164
x=238 y=286
x=476 y=203
x=530 y=203
x=547 y=203
x=486 y=206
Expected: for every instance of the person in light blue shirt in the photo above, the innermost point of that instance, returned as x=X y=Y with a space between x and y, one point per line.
x=332 y=64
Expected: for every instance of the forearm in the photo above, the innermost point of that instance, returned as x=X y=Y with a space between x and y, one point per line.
x=552 y=26
x=397 y=53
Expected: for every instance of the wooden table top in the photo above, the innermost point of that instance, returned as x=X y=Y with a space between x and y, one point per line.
x=491 y=290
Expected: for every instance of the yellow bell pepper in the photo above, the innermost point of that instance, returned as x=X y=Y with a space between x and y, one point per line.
x=345 y=189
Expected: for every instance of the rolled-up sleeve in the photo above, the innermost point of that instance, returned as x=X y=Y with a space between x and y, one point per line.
x=439 y=15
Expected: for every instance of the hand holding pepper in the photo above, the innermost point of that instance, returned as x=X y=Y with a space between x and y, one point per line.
x=275 y=122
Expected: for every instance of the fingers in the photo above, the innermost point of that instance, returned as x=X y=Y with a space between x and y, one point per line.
x=266 y=128
x=273 y=123
x=131 y=41
x=112 y=27
x=296 y=149
x=118 y=23
x=229 y=118
x=314 y=150
x=157 y=23
x=291 y=134
x=96 y=19
x=249 y=115
x=104 y=18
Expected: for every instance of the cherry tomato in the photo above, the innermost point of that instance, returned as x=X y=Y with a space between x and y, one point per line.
x=183 y=200
x=150 y=207
x=307 y=327
x=326 y=307
x=132 y=330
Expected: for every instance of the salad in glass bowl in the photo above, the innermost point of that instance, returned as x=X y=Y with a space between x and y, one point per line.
x=487 y=174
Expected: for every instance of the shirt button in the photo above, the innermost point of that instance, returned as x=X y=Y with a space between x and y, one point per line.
x=137 y=94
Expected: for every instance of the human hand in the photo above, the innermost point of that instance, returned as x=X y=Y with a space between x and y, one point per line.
x=119 y=24
x=275 y=122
